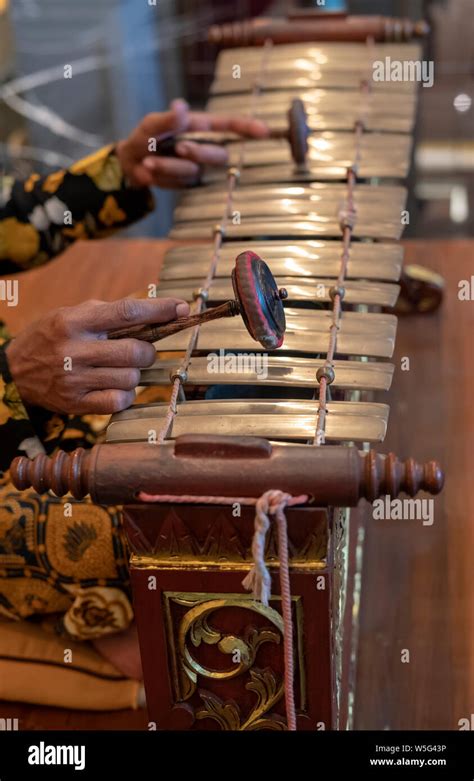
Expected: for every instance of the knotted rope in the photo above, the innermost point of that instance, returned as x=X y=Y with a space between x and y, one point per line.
x=258 y=579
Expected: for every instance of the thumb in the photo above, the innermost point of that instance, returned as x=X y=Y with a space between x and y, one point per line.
x=128 y=312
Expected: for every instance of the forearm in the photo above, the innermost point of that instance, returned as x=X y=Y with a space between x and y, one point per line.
x=43 y=215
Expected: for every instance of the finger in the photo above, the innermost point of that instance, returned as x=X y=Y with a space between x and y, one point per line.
x=106 y=402
x=129 y=353
x=123 y=378
x=203 y=154
x=244 y=126
x=126 y=312
x=172 y=167
x=175 y=119
x=157 y=123
x=141 y=176
x=146 y=176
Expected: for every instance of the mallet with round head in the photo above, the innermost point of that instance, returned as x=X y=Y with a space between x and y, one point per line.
x=296 y=133
x=257 y=299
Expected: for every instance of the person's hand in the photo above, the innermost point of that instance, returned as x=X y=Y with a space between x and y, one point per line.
x=65 y=363
x=144 y=169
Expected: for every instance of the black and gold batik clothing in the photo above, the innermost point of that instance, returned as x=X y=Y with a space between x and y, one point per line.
x=57 y=555
x=40 y=217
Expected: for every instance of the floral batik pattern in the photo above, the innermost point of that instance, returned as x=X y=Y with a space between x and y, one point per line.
x=43 y=215
x=58 y=556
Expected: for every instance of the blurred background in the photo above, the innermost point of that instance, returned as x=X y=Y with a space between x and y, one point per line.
x=129 y=57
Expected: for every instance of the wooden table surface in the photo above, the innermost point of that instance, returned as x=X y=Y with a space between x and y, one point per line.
x=418 y=585
x=418 y=590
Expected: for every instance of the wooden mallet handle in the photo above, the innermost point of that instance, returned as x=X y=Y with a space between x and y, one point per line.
x=157 y=331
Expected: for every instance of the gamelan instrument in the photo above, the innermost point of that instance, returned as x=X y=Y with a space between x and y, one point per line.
x=205 y=477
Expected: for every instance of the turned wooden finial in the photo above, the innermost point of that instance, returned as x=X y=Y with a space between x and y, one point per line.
x=61 y=473
x=309 y=25
x=387 y=475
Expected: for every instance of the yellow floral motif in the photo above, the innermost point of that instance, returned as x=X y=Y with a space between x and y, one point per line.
x=30 y=182
x=11 y=405
x=97 y=423
x=81 y=546
x=110 y=176
x=53 y=181
x=19 y=241
x=73 y=433
x=111 y=212
x=92 y=164
x=78 y=231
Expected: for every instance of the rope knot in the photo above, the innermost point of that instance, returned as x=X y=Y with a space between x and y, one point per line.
x=258 y=579
x=347 y=218
x=273 y=502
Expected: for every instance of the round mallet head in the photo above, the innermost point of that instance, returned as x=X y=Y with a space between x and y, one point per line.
x=260 y=300
x=298 y=131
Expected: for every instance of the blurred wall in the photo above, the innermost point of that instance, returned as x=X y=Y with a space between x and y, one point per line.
x=122 y=42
